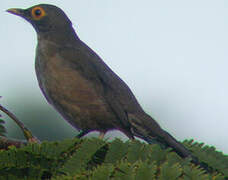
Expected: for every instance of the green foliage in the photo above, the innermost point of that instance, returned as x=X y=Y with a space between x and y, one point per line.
x=96 y=159
x=117 y=150
x=2 y=128
x=172 y=171
x=209 y=155
x=79 y=159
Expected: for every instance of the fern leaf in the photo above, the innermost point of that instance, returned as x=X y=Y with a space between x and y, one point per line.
x=82 y=156
x=2 y=128
x=117 y=150
x=145 y=170
x=103 y=172
x=171 y=172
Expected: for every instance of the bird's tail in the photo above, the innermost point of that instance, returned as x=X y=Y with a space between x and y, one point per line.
x=143 y=126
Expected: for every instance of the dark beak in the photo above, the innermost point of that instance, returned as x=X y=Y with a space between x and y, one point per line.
x=18 y=12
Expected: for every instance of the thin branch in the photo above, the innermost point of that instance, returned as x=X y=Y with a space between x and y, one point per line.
x=27 y=133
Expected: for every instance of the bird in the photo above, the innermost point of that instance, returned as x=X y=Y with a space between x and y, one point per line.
x=82 y=87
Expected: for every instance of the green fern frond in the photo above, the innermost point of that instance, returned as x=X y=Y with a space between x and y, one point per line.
x=97 y=159
x=171 y=172
x=83 y=154
x=208 y=154
x=2 y=128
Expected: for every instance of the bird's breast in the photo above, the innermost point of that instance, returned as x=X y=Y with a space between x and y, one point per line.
x=66 y=86
x=63 y=86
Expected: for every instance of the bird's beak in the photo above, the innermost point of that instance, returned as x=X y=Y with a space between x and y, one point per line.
x=18 y=12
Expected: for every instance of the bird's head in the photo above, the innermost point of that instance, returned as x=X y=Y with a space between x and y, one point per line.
x=44 y=17
x=49 y=21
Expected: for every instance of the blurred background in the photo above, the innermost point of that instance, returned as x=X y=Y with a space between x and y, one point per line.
x=172 y=54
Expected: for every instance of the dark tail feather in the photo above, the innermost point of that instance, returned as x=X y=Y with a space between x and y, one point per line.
x=179 y=149
x=168 y=141
x=143 y=126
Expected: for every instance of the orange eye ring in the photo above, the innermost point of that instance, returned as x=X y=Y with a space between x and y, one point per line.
x=38 y=13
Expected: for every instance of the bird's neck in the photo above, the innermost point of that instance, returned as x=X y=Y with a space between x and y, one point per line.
x=63 y=36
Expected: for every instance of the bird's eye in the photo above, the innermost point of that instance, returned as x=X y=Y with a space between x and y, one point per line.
x=38 y=13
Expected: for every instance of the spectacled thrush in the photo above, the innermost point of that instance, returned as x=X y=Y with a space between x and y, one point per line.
x=81 y=87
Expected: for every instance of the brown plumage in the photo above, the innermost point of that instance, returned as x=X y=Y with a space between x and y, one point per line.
x=81 y=87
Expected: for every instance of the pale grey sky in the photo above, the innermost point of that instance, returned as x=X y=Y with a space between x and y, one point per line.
x=172 y=54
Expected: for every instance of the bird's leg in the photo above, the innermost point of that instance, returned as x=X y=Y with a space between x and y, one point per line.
x=82 y=133
x=101 y=135
x=128 y=133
